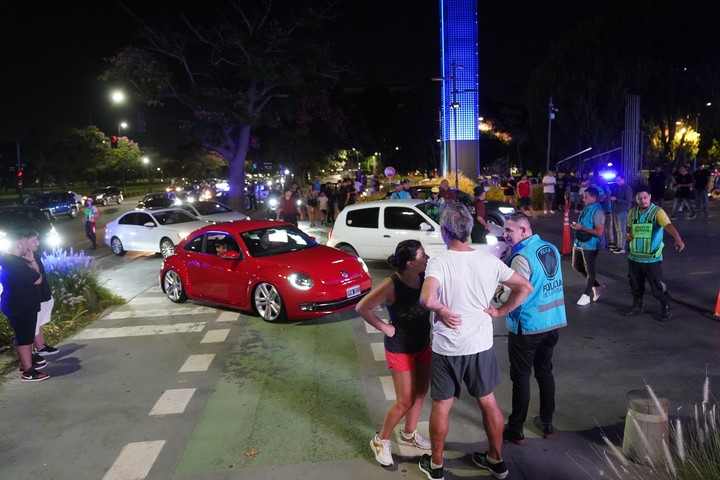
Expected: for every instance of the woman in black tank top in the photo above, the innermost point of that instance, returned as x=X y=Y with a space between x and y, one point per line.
x=407 y=345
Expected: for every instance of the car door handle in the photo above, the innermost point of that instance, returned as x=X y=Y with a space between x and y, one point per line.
x=386 y=236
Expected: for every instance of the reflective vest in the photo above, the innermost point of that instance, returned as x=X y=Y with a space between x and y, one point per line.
x=647 y=243
x=586 y=220
x=544 y=309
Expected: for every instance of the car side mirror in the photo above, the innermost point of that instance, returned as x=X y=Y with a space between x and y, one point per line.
x=426 y=227
x=149 y=224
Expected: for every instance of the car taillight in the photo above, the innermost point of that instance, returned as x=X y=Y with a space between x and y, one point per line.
x=330 y=233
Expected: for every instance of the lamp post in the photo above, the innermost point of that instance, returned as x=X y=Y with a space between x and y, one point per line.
x=161 y=175
x=146 y=162
x=120 y=128
x=455 y=106
x=551 y=116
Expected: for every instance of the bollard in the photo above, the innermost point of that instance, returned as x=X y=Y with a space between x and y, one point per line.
x=566 y=240
x=642 y=441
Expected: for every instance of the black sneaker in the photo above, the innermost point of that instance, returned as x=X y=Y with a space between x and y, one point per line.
x=46 y=351
x=432 y=473
x=38 y=359
x=666 y=313
x=545 y=428
x=497 y=470
x=514 y=436
x=36 y=366
x=33 y=375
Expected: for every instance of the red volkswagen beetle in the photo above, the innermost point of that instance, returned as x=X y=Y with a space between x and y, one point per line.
x=268 y=267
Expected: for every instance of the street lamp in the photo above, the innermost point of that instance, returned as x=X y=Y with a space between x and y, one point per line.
x=117 y=96
x=120 y=128
x=146 y=162
x=551 y=116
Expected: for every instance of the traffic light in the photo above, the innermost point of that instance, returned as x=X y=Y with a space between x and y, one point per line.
x=19 y=177
x=113 y=142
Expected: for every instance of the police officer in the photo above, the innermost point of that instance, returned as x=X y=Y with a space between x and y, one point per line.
x=533 y=326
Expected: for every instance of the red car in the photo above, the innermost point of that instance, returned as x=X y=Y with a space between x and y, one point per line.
x=268 y=267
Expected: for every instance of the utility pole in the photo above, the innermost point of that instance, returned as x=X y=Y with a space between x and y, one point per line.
x=551 y=117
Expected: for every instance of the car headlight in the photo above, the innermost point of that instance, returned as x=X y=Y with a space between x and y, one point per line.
x=506 y=210
x=364 y=265
x=273 y=202
x=182 y=234
x=53 y=238
x=491 y=239
x=4 y=242
x=300 y=281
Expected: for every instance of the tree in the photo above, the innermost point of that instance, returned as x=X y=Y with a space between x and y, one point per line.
x=230 y=71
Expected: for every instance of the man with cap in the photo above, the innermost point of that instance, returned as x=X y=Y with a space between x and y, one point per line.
x=412 y=191
x=399 y=193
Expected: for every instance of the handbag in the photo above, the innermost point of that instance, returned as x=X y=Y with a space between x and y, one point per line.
x=582 y=236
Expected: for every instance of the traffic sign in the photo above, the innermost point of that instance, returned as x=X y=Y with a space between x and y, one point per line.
x=389 y=172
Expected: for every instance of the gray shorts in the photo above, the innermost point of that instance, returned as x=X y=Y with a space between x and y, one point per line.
x=479 y=372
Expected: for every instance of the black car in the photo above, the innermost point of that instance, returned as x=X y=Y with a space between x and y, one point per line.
x=495 y=211
x=105 y=195
x=16 y=217
x=158 y=200
x=56 y=203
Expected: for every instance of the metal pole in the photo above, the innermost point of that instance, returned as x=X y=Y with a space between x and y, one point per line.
x=455 y=107
x=551 y=115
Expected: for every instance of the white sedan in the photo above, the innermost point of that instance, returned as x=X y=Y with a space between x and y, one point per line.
x=372 y=230
x=212 y=211
x=150 y=230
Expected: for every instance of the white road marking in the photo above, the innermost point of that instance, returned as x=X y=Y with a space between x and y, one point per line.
x=147 y=300
x=158 y=312
x=388 y=387
x=215 y=336
x=172 y=401
x=197 y=363
x=378 y=349
x=138 y=331
x=135 y=461
x=406 y=451
x=228 y=317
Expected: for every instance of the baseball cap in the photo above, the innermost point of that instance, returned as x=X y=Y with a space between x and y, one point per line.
x=435 y=190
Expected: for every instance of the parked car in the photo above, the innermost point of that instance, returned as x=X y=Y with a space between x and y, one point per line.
x=16 y=217
x=56 y=203
x=105 y=195
x=212 y=211
x=150 y=231
x=269 y=267
x=372 y=230
x=495 y=211
x=159 y=200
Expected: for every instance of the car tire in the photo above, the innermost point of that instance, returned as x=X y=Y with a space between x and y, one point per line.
x=73 y=212
x=119 y=199
x=347 y=248
x=268 y=303
x=167 y=247
x=117 y=247
x=173 y=287
x=105 y=202
x=495 y=220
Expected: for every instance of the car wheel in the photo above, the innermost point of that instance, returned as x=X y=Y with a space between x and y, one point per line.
x=167 y=247
x=119 y=199
x=347 y=248
x=173 y=286
x=105 y=202
x=268 y=303
x=73 y=212
x=117 y=247
x=495 y=220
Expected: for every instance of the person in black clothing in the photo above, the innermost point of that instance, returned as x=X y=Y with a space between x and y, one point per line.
x=20 y=302
x=560 y=188
x=656 y=182
x=46 y=299
x=683 y=193
x=407 y=345
x=702 y=176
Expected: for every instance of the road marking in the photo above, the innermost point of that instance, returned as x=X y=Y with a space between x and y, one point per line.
x=135 y=461
x=147 y=300
x=159 y=312
x=197 y=363
x=139 y=330
x=378 y=349
x=215 y=336
x=172 y=401
x=228 y=317
x=388 y=387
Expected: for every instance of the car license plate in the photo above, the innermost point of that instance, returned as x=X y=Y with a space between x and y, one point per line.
x=353 y=291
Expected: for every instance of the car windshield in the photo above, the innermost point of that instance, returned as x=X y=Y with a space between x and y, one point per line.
x=430 y=209
x=172 y=217
x=209 y=208
x=276 y=240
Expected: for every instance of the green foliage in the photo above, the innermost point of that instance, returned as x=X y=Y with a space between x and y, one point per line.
x=75 y=283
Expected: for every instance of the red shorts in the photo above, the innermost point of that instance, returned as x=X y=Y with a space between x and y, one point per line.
x=406 y=362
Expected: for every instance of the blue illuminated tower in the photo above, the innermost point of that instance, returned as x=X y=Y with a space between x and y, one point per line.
x=460 y=106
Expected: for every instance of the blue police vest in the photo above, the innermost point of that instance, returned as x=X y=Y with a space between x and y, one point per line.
x=586 y=220
x=544 y=309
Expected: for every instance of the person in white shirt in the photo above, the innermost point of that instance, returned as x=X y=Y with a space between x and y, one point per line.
x=459 y=285
x=548 y=182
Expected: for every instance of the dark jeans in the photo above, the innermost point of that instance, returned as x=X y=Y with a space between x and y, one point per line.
x=652 y=272
x=90 y=232
x=528 y=352
x=701 y=201
x=583 y=262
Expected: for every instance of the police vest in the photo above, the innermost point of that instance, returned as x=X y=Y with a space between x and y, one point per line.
x=647 y=243
x=587 y=220
x=544 y=309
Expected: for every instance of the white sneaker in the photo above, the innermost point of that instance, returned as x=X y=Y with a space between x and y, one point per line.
x=552 y=211
x=382 y=451
x=584 y=300
x=597 y=291
x=415 y=440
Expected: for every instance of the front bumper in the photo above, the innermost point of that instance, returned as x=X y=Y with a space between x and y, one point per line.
x=332 y=305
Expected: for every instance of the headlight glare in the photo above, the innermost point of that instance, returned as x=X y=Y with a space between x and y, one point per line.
x=300 y=281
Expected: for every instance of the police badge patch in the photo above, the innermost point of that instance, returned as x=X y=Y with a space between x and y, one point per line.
x=549 y=261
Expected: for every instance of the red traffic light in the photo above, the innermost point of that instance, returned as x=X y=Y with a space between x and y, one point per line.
x=19 y=174
x=113 y=142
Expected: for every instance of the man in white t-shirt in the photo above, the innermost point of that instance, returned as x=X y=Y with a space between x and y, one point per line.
x=549 y=181
x=459 y=285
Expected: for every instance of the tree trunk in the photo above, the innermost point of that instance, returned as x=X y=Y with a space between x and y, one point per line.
x=236 y=167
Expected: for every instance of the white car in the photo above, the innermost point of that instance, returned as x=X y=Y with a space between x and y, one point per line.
x=150 y=230
x=212 y=211
x=372 y=230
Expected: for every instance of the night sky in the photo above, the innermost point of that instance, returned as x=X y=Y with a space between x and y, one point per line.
x=53 y=52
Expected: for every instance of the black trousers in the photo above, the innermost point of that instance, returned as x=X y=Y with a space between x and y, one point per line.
x=583 y=262
x=90 y=232
x=528 y=352
x=652 y=272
